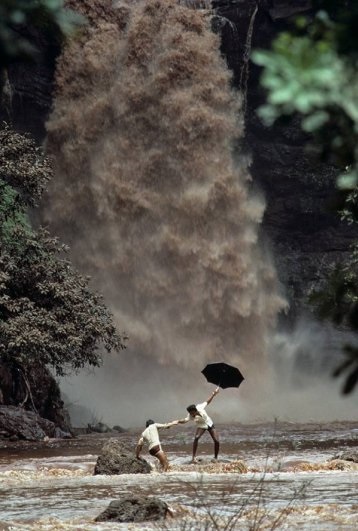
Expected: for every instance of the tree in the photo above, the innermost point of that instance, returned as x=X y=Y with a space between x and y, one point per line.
x=312 y=71
x=23 y=166
x=48 y=314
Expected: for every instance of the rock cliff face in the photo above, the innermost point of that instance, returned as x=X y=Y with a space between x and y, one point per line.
x=28 y=91
x=305 y=236
x=37 y=391
x=305 y=233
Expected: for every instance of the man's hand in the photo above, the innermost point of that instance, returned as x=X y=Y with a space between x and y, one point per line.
x=215 y=392
x=172 y=423
x=213 y=395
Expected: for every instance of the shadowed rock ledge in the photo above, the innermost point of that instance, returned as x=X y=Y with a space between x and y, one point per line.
x=16 y=423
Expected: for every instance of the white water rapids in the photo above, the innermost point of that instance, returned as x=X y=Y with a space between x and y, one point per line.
x=51 y=486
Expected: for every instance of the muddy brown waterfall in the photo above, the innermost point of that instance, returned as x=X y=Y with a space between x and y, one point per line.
x=149 y=196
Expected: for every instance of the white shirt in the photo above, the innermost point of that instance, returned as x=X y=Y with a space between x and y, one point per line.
x=151 y=436
x=202 y=420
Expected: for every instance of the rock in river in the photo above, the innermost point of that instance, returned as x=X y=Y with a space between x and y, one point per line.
x=22 y=424
x=134 y=509
x=116 y=458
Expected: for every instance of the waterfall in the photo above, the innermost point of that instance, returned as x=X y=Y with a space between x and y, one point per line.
x=149 y=196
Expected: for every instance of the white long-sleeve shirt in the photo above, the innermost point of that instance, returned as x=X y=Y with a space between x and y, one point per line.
x=151 y=436
x=202 y=420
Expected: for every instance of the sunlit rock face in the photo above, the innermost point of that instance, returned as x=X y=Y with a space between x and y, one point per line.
x=148 y=193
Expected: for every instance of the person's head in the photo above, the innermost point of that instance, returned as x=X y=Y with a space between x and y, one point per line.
x=149 y=422
x=192 y=410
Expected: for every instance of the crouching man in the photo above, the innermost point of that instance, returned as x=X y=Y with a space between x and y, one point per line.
x=151 y=437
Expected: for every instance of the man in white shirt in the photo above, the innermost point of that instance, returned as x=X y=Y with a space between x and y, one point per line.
x=204 y=423
x=151 y=436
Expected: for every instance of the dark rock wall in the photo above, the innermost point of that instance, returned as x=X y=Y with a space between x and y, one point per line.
x=29 y=87
x=304 y=231
x=37 y=391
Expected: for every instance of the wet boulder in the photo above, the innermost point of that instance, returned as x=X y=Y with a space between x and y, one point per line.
x=116 y=458
x=134 y=509
x=119 y=429
x=100 y=427
x=61 y=434
x=21 y=424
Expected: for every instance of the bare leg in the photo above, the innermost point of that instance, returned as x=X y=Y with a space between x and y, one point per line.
x=199 y=432
x=163 y=460
x=215 y=438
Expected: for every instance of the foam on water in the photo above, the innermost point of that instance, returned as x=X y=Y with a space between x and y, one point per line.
x=60 y=492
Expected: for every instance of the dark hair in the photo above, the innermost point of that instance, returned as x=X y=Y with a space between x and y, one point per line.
x=149 y=422
x=192 y=407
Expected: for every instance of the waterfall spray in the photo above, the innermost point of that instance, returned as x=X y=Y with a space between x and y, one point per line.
x=148 y=194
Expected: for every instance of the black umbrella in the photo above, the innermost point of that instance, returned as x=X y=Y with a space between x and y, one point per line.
x=223 y=375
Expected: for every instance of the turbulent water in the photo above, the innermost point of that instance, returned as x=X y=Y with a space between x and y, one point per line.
x=291 y=482
x=148 y=194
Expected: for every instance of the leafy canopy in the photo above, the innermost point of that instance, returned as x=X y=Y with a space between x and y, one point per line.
x=48 y=314
x=312 y=71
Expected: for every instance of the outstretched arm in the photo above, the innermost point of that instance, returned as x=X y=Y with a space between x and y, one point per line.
x=139 y=448
x=167 y=424
x=213 y=395
x=183 y=421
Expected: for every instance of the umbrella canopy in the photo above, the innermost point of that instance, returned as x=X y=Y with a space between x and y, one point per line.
x=223 y=375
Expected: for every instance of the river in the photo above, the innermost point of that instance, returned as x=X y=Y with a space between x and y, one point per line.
x=289 y=483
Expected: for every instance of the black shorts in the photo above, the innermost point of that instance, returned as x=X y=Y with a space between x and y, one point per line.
x=155 y=450
x=209 y=428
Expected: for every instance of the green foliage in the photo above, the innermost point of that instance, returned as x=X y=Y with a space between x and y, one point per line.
x=11 y=212
x=351 y=365
x=312 y=72
x=23 y=166
x=24 y=174
x=48 y=15
x=338 y=302
x=307 y=74
x=48 y=314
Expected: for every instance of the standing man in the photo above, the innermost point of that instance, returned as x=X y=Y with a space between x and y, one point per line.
x=151 y=436
x=204 y=423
